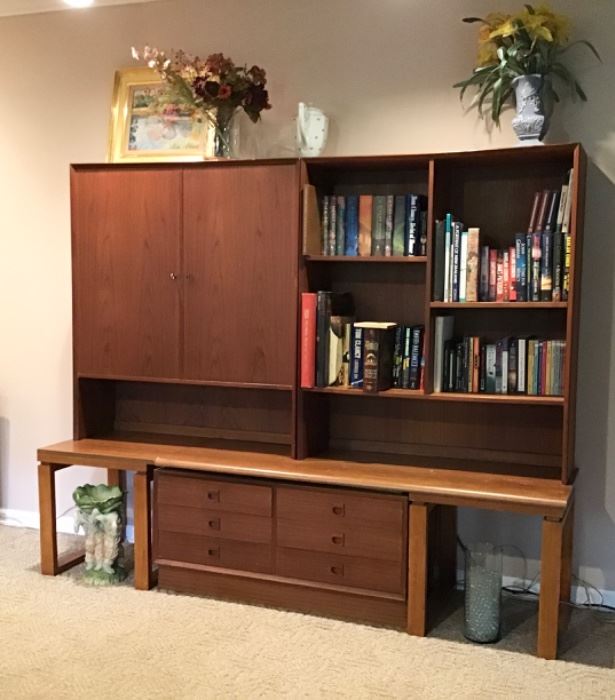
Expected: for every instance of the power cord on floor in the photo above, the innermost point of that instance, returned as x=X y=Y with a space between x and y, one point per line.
x=528 y=590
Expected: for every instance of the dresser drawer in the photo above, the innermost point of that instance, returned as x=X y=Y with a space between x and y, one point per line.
x=354 y=572
x=340 y=505
x=349 y=538
x=213 y=494
x=200 y=521
x=209 y=551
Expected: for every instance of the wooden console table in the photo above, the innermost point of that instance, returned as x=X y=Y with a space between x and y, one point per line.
x=424 y=488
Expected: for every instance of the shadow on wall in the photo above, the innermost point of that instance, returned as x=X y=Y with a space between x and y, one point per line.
x=595 y=431
x=594 y=558
x=4 y=457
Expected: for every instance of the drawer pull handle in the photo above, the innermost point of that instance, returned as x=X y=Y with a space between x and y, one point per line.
x=213 y=496
x=337 y=570
x=339 y=510
x=338 y=539
x=214 y=524
x=213 y=552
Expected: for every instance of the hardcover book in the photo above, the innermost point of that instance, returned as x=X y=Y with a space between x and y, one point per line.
x=352 y=225
x=308 y=339
x=438 y=281
x=378 y=341
x=356 y=358
x=340 y=236
x=338 y=328
x=443 y=332
x=472 y=265
x=325 y=225
x=379 y=225
x=365 y=224
x=388 y=225
x=399 y=225
x=332 y=225
x=328 y=304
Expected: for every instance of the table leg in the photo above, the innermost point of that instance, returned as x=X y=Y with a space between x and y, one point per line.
x=142 y=526
x=550 y=587
x=417 y=568
x=47 y=510
x=51 y=565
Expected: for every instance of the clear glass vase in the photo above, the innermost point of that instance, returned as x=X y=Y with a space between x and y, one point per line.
x=483 y=592
x=226 y=134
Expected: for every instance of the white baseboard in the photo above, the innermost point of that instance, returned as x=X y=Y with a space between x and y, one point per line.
x=30 y=518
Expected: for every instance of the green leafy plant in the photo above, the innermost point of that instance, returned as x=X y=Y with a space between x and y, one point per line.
x=532 y=41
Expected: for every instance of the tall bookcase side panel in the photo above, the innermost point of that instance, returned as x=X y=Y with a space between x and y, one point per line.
x=577 y=217
x=427 y=341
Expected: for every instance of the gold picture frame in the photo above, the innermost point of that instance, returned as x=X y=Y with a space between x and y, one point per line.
x=140 y=133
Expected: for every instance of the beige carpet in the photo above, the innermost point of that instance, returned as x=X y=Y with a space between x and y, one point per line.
x=60 y=639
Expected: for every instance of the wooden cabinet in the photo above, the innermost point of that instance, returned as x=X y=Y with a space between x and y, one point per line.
x=126 y=265
x=186 y=273
x=346 y=541
x=240 y=259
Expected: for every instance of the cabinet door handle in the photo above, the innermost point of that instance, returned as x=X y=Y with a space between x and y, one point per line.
x=214 y=552
x=214 y=524
x=337 y=570
x=339 y=510
x=213 y=496
x=338 y=539
x=173 y=275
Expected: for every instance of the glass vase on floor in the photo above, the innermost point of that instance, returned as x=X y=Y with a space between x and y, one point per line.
x=483 y=591
x=226 y=134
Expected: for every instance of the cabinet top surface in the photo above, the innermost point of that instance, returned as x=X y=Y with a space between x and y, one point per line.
x=480 y=155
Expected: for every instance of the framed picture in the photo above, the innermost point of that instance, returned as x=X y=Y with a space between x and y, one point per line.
x=145 y=126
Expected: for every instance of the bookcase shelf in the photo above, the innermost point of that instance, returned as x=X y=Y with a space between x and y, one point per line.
x=492 y=191
x=388 y=394
x=486 y=305
x=366 y=259
x=526 y=399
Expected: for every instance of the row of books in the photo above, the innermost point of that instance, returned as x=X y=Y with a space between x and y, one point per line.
x=374 y=225
x=536 y=267
x=511 y=365
x=336 y=350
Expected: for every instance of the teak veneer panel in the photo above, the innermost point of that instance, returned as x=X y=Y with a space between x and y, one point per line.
x=240 y=250
x=497 y=491
x=126 y=247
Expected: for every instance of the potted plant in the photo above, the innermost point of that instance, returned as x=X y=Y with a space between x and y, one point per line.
x=521 y=55
x=215 y=88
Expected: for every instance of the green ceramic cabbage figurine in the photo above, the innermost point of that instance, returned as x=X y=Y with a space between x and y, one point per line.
x=99 y=514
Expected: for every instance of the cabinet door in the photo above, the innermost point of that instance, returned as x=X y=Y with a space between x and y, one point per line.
x=240 y=257
x=126 y=271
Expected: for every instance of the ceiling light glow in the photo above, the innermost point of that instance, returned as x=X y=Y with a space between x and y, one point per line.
x=79 y=3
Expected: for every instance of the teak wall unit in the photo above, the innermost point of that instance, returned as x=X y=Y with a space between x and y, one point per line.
x=187 y=283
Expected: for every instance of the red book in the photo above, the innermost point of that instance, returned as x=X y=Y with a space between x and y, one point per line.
x=512 y=259
x=493 y=267
x=499 y=276
x=308 y=340
x=506 y=275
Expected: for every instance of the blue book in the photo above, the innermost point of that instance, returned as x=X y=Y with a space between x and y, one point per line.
x=352 y=225
x=356 y=364
x=340 y=239
x=448 y=258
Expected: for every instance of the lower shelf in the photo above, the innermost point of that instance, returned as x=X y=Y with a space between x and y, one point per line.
x=348 y=605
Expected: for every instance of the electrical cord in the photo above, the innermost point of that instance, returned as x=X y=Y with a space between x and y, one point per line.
x=528 y=589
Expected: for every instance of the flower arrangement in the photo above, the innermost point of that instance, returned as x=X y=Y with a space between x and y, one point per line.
x=214 y=87
x=531 y=42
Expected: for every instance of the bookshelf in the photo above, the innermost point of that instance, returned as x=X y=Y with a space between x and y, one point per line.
x=492 y=190
x=187 y=372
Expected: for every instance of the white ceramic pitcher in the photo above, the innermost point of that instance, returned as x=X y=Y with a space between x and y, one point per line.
x=312 y=130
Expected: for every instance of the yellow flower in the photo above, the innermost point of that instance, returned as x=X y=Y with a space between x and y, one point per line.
x=507 y=28
x=543 y=23
x=487 y=53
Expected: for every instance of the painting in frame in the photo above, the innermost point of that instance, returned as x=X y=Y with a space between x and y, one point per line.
x=146 y=127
